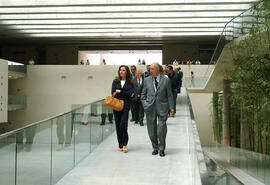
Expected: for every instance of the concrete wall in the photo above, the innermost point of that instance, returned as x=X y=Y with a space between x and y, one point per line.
x=21 y=54
x=202 y=108
x=179 y=52
x=62 y=55
x=53 y=54
x=48 y=94
x=3 y=90
x=68 y=55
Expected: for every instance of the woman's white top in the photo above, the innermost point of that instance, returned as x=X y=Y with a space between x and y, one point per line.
x=123 y=83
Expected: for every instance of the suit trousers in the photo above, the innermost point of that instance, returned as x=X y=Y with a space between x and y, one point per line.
x=60 y=124
x=157 y=131
x=139 y=112
x=121 y=124
x=132 y=108
x=174 y=93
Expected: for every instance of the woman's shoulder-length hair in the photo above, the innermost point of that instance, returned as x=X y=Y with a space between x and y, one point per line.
x=128 y=76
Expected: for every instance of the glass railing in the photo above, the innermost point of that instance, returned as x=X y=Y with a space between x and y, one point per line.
x=43 y=152
x=237 y=27
x=252 y=163
x=218 y=175
x=16 y=102
x=195 y=82
x=199 y=173
x=17 y=68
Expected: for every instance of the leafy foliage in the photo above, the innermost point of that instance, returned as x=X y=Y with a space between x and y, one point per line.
x=251 y=88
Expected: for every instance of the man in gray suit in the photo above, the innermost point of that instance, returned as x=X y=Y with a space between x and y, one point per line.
x=156 y=97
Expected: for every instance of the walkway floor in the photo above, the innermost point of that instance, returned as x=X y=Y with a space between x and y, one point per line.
x=107 y=166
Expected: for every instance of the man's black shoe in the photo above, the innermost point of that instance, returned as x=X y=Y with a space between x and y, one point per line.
x=155 y=152
x=132 y=120
x=162 y=153
x=136 y=122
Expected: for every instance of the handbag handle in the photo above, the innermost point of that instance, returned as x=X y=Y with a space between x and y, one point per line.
x=114 y=94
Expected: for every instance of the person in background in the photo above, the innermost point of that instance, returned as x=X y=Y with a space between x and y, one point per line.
x=175 y=62
x=64 y=131
x=192 y=83
x=143 y=62
x=29 y=134
x=81 y=62
x=133 y=75
x=156 y=97
x=106 y=111
x=166 y=69
x=123 y=87
x=103 y=62
x=175 y=86
x=180 y=72
x=87 y=62
x=139 y=62
x=147 y=72
x=31 y=62
x=133 y=71
x=138 y=85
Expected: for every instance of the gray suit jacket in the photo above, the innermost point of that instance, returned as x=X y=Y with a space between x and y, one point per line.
x=161 y=99
x=137 y=88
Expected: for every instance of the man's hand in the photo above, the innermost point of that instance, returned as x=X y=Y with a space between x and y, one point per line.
x=118 y=91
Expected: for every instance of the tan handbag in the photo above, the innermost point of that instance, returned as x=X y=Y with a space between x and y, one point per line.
x=114 y=103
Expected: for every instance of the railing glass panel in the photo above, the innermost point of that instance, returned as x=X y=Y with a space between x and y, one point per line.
x=237 y=27
x=34 y=155
x=17 y=100
x=43 y=152
x=218 y=175
x=254 y=164
x=62 y=146
x=7 y=159
x=196 y=82
x=18 y=68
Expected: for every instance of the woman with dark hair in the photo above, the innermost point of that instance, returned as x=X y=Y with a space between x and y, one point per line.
x=123 y=86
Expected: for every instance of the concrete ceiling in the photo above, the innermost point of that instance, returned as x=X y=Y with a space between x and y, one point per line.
x=115 y=21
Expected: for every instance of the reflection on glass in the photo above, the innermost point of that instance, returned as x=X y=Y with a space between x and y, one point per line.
x=218 y=176
x=34 y=155
x=82 y=132
x=254 y=164
x=7 y=160
x=195 y=82
x=50 y=149
x=62 y=146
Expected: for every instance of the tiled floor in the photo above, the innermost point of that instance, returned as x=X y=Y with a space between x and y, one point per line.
x=107 y=166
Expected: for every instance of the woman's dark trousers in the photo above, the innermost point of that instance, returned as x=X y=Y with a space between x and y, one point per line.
x=121 y=124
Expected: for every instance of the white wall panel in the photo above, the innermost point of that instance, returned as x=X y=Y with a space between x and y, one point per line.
x=3 y=90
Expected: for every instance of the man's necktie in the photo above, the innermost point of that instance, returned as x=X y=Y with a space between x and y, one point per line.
x=156 y=82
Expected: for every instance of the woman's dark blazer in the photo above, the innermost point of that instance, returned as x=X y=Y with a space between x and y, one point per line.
x=125 y=93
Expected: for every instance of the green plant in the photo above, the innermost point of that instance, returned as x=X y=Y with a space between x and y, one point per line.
x=250 y=96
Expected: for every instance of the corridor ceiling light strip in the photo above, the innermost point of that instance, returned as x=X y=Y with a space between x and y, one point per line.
x=95 y=26
x=125 y=30
x=126 y=34
x=120 y=15
x=105 y=2
x=121 y=21
x=80 y=9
